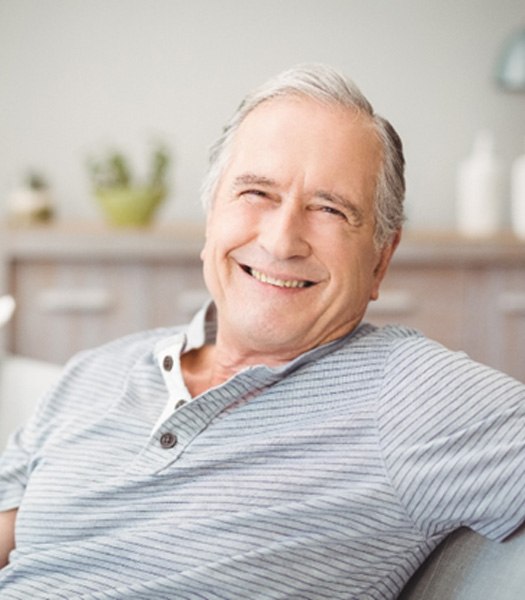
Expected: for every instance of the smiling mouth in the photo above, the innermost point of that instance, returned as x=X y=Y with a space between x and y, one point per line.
x=283 y=283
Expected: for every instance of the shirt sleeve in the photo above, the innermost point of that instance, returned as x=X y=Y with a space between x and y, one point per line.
x=57 y=408
x=22 y=446
x=453 y=436
x=13 y=472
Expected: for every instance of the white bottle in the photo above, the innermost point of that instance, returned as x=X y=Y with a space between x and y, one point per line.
x=480 y=190
x=517 y=187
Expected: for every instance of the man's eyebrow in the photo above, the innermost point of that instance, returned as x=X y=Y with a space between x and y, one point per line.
x=343 y=202
x=338 y=199
x=253 y=179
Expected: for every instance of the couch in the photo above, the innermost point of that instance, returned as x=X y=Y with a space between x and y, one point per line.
x=467 y=566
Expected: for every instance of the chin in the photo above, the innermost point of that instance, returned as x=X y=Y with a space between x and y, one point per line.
x=268 y=332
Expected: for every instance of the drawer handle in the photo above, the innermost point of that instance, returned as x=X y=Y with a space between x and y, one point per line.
x=512 y=303
x=393 y=302
x=87 y=300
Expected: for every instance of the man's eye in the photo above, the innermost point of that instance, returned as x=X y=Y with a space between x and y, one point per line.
x=254 y=196
x=330 y=210
x=254 y=193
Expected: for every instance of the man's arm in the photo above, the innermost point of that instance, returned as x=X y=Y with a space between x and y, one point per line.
x=7 y=534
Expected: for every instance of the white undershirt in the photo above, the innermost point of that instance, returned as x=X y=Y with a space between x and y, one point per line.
x=170 y=350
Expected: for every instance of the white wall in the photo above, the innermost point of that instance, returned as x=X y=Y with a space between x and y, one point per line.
x=77 y=76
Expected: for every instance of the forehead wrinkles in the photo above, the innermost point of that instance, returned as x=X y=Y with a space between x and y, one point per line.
x=272 y=128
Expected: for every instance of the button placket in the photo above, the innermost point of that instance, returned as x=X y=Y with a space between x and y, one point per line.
x=197 y=416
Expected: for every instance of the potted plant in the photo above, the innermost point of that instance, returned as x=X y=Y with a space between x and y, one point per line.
x=125 y=200
x=31 y=202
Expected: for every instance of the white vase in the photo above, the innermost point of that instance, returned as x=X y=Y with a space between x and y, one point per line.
x=27 y=205
x=479 y=191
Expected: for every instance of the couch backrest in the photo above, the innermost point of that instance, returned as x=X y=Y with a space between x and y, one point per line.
x=467 y=566
x=22 y=382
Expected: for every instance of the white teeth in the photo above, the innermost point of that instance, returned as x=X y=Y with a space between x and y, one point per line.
x=287 y=283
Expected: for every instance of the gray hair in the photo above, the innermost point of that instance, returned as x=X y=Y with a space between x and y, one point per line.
x=324 y=84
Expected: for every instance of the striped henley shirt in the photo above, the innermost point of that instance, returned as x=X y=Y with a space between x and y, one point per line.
x=331 y=477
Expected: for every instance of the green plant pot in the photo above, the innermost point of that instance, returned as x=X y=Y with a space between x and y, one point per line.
x=134 y=206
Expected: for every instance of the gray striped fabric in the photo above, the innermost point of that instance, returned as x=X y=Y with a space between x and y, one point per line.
x=332 y=477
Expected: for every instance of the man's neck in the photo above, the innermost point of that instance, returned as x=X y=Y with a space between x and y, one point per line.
x=213 y=364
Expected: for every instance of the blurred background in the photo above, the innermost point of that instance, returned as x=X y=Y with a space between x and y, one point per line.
x=77 y=77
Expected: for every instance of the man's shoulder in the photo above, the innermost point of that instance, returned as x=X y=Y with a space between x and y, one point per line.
x=384 y=338
x=385 y=351
x=407 y=354
x=107 y=367
x=400 y=340
x=390 y=333
x=364 y=354
x=128 y=348
x=141 y=339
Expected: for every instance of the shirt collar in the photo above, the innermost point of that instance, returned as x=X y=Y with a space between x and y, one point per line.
x=202 y=330
x=198 y=332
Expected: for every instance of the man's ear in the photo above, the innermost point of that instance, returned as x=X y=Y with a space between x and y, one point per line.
x=385 y=257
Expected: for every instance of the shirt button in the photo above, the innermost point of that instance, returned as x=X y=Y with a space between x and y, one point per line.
x=168 y=440
x=167 y=363
x=180 y=403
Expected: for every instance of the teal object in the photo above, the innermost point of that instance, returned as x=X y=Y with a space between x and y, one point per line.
x=510 y=73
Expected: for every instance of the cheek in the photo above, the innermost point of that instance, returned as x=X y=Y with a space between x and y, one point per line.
x=211 y=270
x=225 y=231
x=355 y=270
x=229 y=228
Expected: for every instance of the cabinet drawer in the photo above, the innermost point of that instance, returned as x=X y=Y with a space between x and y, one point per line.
x=64 y=306
x=429 y=299
x=499 y=325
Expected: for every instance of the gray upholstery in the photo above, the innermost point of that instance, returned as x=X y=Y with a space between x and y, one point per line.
x=466 y=566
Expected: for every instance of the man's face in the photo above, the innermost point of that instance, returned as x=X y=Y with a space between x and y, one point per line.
x=289 y=256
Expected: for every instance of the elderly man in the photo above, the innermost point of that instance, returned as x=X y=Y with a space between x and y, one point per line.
x=277 y=447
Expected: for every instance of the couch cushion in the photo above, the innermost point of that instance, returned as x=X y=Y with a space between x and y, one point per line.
x=467 y=566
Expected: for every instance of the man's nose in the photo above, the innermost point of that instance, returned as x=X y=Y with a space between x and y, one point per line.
x=283 y=232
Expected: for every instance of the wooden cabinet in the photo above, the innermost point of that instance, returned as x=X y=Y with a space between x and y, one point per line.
x=429 y=298
x=467 y=294
x=79 y=286
x=496 y=333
